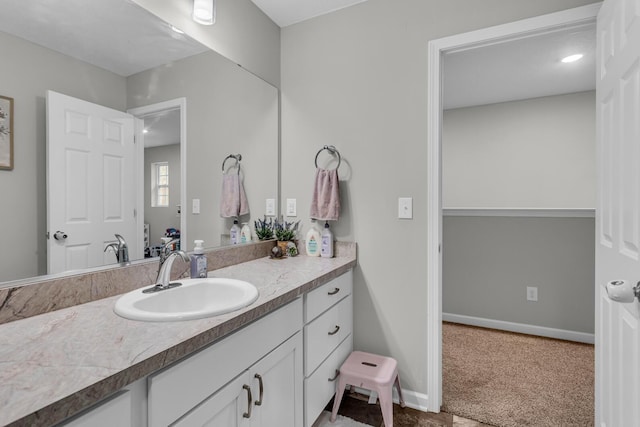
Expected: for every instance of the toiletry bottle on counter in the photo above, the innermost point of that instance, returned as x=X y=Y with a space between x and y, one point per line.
x=234 y=234
x=198 y=261
x=312 y=241
x=245 y=233
x=326 y=250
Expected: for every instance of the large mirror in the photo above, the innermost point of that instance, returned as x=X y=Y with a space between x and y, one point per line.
x=139 y=61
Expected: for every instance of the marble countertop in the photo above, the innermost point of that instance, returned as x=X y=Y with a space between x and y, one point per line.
x=55 y=364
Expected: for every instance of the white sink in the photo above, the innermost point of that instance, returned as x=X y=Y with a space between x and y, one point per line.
x=194 y=299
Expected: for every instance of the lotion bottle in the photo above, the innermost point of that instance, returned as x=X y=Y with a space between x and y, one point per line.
x=245 y=233
x=198 y=261
x=313 y=240
x=326 y=250
x=234 y=234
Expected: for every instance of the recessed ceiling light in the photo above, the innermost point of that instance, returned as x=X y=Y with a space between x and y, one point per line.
x=145 y=130
x=572 y=58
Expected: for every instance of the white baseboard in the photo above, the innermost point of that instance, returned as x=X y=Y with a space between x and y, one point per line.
x=412 y=399
x=520 y=328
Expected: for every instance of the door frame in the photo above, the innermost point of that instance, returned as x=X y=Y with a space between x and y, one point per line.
x=140 y=112
x=436 y=49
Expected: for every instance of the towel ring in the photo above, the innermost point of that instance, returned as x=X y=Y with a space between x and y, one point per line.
x=236 y=157
x=331 y=149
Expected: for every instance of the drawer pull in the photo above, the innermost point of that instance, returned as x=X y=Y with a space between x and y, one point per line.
x=334 y=291
x=335 y=331
x=259 y=401
x=249 y=401
x=335 y=377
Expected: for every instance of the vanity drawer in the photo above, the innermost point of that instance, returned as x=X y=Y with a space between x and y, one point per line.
x=320 y=387
x=320 y=299
x=326 y=332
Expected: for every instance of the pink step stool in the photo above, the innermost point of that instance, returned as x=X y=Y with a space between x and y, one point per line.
x=372 y=372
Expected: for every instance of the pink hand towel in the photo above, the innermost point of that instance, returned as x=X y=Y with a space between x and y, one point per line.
x=325 y=204
x=233 y=201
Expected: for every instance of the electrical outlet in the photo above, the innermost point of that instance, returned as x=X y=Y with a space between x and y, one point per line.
x=195 y=206
x=532 y=293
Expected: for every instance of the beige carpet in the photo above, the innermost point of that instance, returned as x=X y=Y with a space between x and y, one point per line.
x=507 y=379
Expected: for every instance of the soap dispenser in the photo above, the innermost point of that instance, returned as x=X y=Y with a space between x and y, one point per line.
x=234 y=234
x=312 y=240
x=198 y=261
x=245 y=233
x=326 y=251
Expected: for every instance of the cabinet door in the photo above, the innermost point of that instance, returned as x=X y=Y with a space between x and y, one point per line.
x=277 y=385
x=230 y=406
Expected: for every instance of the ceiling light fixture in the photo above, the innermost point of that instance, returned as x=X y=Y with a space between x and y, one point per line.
x=572 y=58
x=204 y=11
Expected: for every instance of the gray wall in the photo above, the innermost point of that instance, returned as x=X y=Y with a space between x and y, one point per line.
x=242 y=33
x=537 y=153
x=229 y=111
x=357 y=79
x=489 y=261
x=161 y=218
x=26 y=73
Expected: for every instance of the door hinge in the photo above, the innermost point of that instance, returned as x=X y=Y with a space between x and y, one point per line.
x=48 y=237
x=135 y=213
x=135 y=140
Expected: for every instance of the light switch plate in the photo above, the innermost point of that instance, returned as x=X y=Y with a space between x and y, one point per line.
x=291 y=207
x=270 y=208
x=405 y=207
x=195 y=206
x=532 y=293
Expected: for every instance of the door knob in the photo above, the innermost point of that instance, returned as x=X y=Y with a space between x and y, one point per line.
x=623 y=290
x=60 y=235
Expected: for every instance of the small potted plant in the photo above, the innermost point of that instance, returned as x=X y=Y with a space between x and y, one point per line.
x=285 y=233
x=264 y=228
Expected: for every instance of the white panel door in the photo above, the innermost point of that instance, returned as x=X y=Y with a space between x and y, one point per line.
x=90 y=182
x=618 y=213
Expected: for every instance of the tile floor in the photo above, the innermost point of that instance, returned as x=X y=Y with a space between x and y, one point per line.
x=355 y=406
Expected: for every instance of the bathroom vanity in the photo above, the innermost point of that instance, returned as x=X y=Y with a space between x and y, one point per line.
x=270 y=363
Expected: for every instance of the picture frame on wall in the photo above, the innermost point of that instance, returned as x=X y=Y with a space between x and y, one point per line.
x=6 y=133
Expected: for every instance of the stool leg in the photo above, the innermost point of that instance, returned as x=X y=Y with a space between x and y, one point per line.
x=340 y=385
x=400 y=398
x=385 y=396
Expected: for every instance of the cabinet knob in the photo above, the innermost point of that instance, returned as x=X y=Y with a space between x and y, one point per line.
x=335 y=377
x=335 y=331
x=334 y=291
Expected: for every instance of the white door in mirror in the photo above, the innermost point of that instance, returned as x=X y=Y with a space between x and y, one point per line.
x=94 y=198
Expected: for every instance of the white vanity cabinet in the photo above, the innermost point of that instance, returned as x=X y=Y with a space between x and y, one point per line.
x=220 y=385
x=328 y=341
x=265 y=395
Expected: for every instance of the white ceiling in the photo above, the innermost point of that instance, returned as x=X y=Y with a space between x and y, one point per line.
x=521 y=69
x=122 y=37
x=116 y=35
x=162 y=128
x=288 y=12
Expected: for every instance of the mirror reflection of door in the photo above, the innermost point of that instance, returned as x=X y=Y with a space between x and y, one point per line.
x=162 y=173
x=91 y=191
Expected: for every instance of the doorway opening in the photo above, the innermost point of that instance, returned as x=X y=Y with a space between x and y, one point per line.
x=162 y=130
x=437 y=49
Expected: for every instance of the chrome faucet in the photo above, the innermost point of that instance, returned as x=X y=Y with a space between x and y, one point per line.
x=121 y=249
x=167 y=256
